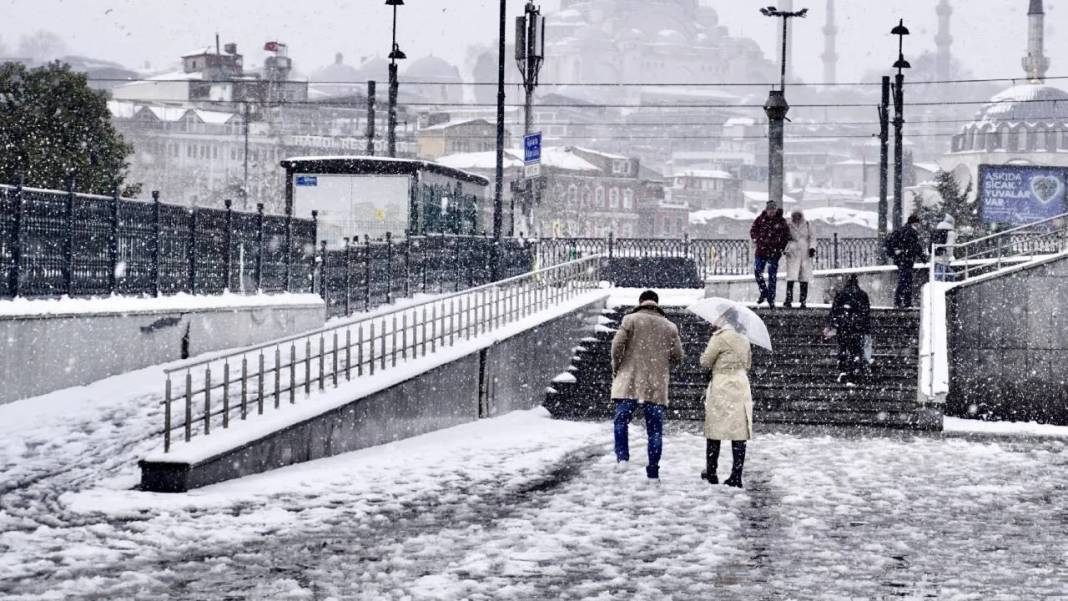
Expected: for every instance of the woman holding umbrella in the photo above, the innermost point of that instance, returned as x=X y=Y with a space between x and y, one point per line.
x=728 y=399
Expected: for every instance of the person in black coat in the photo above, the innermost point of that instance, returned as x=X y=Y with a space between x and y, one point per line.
x=849 y=322
x=904 y=248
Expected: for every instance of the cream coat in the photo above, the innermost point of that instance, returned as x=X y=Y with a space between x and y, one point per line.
x=644 y=349
x=798 y=263
x=728 y=400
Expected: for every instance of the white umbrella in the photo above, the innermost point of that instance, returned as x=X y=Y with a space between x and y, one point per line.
x=744 y=321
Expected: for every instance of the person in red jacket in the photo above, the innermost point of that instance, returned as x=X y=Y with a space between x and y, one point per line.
x=770 y=234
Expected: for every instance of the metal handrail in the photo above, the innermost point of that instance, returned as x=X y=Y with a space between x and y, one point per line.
x=1012 y=230
x=992 y=249
x=274 y=368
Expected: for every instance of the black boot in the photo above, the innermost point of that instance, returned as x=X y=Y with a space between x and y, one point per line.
x=804 y=294
x=789 y=295
x=738 y=457
x=711 y=461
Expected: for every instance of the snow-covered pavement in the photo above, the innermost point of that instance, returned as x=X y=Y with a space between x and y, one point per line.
x=525 y=507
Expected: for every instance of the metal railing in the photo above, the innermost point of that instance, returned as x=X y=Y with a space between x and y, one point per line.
x=217 y=391
x=990 y=253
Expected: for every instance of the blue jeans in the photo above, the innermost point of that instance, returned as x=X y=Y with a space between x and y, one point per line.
x=768 y=289
x=654 y=427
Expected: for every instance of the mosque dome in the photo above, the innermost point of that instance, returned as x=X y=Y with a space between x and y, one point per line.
x=1034 y=103
x=432 y=68
x=1022 y=118
x=337 y=72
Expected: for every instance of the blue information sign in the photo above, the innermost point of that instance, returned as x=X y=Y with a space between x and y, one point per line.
x=307 y=180
x=1020 y=194
x=532 y=148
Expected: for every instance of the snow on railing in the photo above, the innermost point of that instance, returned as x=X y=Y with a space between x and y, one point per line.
x=958 y=262
x=258 y=378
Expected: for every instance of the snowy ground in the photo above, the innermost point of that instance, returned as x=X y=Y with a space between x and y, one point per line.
x=525 y=507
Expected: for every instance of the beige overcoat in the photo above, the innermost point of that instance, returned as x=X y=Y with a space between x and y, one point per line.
x=728 y=400
x=644 y=349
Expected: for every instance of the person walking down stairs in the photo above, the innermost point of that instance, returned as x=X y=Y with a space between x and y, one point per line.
x=644 y=349
x=800 y=253
x=850 y=323
x=770 y=235
x=728 y=398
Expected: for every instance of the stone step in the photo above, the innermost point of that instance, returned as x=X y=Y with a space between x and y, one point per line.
x=770 y=393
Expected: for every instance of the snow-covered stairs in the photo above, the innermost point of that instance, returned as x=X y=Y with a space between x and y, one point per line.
x=795 y=384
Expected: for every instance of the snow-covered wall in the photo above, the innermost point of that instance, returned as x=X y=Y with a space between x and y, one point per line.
x=45 y=347
x=1008 y=344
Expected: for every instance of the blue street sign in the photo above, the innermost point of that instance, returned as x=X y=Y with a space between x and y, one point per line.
x=307 y=180
x=532 y=148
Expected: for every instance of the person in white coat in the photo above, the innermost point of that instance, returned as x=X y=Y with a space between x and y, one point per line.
x=728 y=398
x=800 y=254
x=943 y=239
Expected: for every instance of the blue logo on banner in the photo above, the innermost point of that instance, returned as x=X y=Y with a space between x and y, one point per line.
x=532 y=148
x=1020 y=194
x=307 y=180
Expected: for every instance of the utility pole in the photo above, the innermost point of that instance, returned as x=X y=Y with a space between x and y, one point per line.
x=371 y=118
x=394 y=55
x=884 y=159
x=244 y=184
x=529 y=56
x=899 y=121
x=776 y=108
x=499 y=184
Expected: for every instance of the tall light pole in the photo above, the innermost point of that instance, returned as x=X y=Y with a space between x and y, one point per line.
x=899 y=120
x=395 y=55
x=529 y=56
x=498 y=189
x=776 y=108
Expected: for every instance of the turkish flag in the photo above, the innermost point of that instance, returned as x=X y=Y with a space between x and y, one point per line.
x=271 y=46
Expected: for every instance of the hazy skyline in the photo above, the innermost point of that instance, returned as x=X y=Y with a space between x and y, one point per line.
x=989 y=42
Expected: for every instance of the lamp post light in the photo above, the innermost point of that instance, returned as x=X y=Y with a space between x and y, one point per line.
x=395 y=55
x=776 y=109
x=899 y=121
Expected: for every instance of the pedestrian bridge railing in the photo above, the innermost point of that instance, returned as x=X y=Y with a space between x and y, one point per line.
x=990 y=253
x=203 y=396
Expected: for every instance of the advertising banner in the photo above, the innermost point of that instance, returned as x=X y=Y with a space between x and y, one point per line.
x=1011 y=195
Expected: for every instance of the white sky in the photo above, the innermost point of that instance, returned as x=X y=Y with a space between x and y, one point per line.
x=990 y=35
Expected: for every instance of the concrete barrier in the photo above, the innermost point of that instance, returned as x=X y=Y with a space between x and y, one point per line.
x=1007 y=337
x=48 y=351
x=501 y=375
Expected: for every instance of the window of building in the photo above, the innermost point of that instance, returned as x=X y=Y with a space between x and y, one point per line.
x=628 y=199
x=598 y=198
x=1064 y=139
x=572 y=195
x=613 y=198
x=587 y=197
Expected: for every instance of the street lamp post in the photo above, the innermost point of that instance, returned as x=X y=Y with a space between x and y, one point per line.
x=529 y=56
x=395 y=55
x=776 y=109
x=498 y=189
x=899 y=121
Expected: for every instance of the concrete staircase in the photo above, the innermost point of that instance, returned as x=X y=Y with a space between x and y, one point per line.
x=797 y=384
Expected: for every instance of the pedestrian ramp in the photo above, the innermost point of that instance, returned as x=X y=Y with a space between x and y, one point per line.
x=476 y=353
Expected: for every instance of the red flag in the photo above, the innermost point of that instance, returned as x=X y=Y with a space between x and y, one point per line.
x=271 y=46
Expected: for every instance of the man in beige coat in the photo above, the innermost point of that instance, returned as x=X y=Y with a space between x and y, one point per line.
x=644 y=349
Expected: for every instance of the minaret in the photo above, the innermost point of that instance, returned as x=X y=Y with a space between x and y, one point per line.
x=1036 y=64
x=943 y=41
x=830 y=54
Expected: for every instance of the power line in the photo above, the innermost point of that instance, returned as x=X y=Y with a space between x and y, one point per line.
x=649 y=84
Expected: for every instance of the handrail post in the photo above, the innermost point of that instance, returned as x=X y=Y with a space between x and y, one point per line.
x=191 y=253
x=367 y=272
x=229 y=243
x=157 y=211
x=16 y=243
x=407 y=263
x=113 y=242
x=322 y=274
x=837 y=265
x=68 y=241
x=389 y=268
x=259 y=247
x=289 y=251
x=348 y=277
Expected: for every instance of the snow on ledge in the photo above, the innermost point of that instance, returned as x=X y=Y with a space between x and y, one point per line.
x=203 y=448
x=957 y=425
x=107 y=305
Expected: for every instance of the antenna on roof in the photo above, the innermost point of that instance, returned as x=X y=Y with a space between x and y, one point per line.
x=217 y=51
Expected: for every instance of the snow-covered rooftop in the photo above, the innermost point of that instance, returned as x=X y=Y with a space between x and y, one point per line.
x=705 y=174
x=555 y=157
x=702 y=217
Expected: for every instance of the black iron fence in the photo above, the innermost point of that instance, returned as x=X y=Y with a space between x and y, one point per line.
x=365 y=274
x=55 y=243
x=712 y=257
